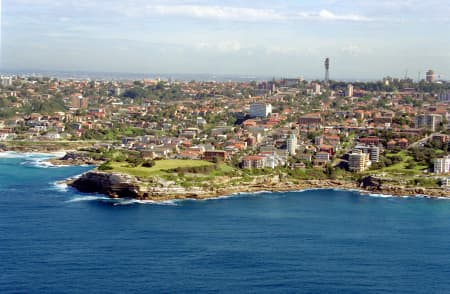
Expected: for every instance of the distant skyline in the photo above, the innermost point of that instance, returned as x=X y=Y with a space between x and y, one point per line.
x=364 y=39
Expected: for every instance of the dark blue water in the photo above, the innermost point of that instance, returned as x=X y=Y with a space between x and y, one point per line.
x=52 y=240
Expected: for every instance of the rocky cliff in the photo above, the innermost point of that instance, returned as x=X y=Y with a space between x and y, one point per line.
x=125 y=186
x=385 y=186
x=113 y=185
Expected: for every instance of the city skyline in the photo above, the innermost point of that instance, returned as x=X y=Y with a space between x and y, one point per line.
x=366 y=40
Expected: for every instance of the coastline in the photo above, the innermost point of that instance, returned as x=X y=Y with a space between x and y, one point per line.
x=163 y=194
x=115 y=186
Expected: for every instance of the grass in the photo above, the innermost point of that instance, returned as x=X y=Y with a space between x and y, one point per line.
x=400 y=168
x=160 y=167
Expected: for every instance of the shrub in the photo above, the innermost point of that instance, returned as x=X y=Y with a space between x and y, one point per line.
x=134 y=161
x=148 y=163
x=105 y=166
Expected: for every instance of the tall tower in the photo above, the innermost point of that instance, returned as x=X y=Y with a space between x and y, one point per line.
x=327 y=70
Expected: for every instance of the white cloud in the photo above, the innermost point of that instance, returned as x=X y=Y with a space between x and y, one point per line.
x=216 y=12
x=327 y=15
x=222 y=46
x=231 y=13
x=351 y=49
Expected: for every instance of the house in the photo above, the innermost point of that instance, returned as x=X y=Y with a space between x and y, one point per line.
x=321 y=158
x=371 y=140
x=212 y=156
x=327 y=148
x=311 y=119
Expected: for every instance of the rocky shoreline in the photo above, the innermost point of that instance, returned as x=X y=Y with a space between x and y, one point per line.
x=116 y=185
x=74 y=158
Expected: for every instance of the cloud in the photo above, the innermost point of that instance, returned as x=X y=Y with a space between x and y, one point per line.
x=327 y=15
x=351 y=50
x=216 y=12
x=222 y=46
x=231 y=13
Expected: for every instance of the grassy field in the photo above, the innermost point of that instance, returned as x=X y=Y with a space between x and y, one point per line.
x=158 y=169
x=400 y=168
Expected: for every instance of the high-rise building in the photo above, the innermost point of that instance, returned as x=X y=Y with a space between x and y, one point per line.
x=118 y=91
x=292 y=144
x=373 y=151
x=349 y=92
x=79 y=102
x=260 y=109
x=5 y=81
x=442 y=165
x=358 y=161
x=317 y=89
x=444 y=95
x=428 y=121
x=430 y=76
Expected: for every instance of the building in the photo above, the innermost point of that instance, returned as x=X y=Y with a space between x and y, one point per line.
x=292 y=144
x=374 y=154
x=318 y=140
x=253 y=161
x=5 y=81
x=358 y=161
x=445 y=183
x=373 y=151
x=349 y=92
x=317 y=89
x=118 y=91
x=442 y=165
x=321 y=158
x=440 y=138
x=216 y=155
x=430 y=76
x=260 y=109
x=444 y=95
x=79 y=102
x=428 y=121
x=310 y=119
x=371 y=140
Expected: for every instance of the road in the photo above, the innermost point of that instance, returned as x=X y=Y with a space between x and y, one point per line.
x=422 y=141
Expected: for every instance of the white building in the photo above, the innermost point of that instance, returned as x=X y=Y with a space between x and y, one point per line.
x=373 y=151
x=442 y=165
x=349 y=92
x=260 y=109
x=201 y=121
x=292 y=144
x=5 y=81
x=317 y=89
x=358 y=161
x=118 y=91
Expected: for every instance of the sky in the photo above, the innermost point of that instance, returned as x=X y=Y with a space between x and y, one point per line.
x=365 y=39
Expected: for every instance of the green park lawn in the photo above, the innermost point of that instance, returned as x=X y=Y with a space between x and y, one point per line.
x=400 y=168
x=160 y=167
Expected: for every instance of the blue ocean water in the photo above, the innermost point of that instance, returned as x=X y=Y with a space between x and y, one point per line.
x=55 y=240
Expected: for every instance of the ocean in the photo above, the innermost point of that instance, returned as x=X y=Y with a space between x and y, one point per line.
x=56 y=240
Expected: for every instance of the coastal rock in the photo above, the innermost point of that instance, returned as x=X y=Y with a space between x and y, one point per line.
x=113 y=185
x=75 y=158
x=370 y=183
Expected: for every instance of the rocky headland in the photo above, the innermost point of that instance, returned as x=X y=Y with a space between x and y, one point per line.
x=116 y=185
x=75 y=158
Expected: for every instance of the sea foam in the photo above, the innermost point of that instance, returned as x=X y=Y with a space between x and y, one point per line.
x=89 y=198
